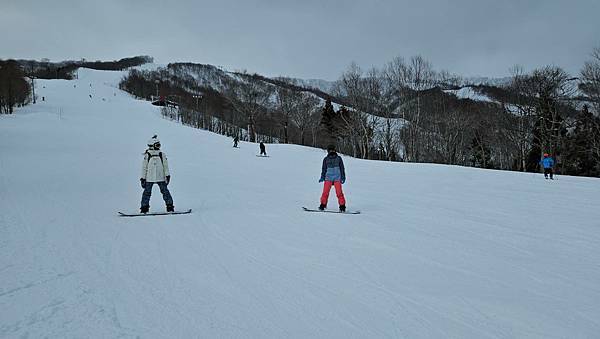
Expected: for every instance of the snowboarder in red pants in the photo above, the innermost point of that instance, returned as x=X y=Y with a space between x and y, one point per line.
x=333 y=174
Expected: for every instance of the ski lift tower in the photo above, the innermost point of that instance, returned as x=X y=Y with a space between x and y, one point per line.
x=197 y=97
x=200 y=121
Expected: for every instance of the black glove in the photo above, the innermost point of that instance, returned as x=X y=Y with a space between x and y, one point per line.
x=143 y=182
x=168 y=179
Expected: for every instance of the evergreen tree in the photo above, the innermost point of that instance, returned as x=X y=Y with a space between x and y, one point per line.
x=579 y=151
x=14 y=88
x=328 y=123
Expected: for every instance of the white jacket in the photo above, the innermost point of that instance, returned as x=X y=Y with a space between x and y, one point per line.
x=153 y=169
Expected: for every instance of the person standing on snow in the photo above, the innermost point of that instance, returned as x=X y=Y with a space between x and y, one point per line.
x=263 y=150
x=235 y=141
x=548 y=163
x=333 y=174
x=155 y=169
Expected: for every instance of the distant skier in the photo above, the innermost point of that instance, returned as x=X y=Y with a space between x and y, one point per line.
x=548 y=164
x=333 y=174
x=155 y=169
x=235 y=141
x=263 y=150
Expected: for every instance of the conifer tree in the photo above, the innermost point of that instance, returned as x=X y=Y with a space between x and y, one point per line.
x=328 y=123
x=579 y=147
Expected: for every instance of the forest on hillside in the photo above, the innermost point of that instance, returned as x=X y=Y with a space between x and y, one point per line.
x=403 y=111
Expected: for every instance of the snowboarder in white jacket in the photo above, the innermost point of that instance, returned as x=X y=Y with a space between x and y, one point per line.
x=155 y=169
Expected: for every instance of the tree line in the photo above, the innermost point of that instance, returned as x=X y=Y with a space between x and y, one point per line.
x=14 y=87
x=543 y=111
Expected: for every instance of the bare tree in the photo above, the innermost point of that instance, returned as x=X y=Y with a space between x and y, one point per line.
x=349 y=87
x=452 y=129
x=375 y=105
x=522 y=107
x=391 y=124
x=553 y=90
x=305 y=114
x=250 y=98
x=591 y=87
x=286 y=100
x=365 y=94
x=590 y=76
x=408 y=81
x=548 y=91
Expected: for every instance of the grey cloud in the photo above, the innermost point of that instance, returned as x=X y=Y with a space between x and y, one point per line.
x=310 y=39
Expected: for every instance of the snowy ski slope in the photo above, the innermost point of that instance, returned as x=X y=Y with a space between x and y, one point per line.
x=438 y=251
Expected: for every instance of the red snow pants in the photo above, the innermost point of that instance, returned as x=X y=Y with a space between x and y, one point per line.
x=338 y=192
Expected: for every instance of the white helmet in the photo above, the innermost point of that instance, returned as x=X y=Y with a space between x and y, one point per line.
x=154 y=141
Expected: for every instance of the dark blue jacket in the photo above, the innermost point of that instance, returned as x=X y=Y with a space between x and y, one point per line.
x=333 y=168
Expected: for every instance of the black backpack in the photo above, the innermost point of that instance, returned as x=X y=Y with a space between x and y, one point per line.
x=159 y=155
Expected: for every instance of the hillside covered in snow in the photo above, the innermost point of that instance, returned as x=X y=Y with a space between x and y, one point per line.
x=439 y=251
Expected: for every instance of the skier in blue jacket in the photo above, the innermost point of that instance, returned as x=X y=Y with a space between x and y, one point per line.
x=548 y=163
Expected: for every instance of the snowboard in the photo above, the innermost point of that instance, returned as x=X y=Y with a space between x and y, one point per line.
x=262 y=156
x=330 y=211
x=153 y=213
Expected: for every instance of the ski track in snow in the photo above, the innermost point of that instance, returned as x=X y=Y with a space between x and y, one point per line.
x=438 y=251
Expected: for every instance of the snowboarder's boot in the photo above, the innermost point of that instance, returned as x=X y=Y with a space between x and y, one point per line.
x=342 y=208
x=144 y=209
x=322 y=207
x=170 y=208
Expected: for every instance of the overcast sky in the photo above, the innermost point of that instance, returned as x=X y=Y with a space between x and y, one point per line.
x=308 y=38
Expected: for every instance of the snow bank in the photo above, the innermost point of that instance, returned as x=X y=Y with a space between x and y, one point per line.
x=469 y=93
